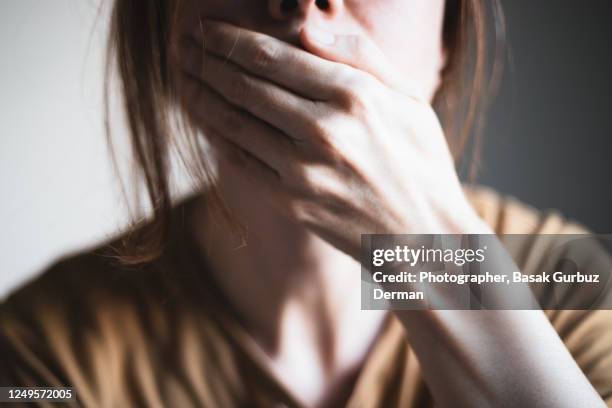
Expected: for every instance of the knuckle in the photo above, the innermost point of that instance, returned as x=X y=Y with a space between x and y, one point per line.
x=319 y=130
x=353 y=103
x=328 y=146
x=353 y=96
x=308 y=180
x=302 y=210
x=265 y=56
x=315 y=180
x=209 y=32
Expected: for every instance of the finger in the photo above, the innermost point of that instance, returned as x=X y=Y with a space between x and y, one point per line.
x=284 y=110
x=268 y=57
x=239 y=127
x=244 y=162
x=257 y=173
x=361 y=53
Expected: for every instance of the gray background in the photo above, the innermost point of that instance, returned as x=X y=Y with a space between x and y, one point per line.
x=549 y=134
x=548 y=141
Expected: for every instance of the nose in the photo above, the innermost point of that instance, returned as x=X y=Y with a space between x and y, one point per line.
x=289 y=9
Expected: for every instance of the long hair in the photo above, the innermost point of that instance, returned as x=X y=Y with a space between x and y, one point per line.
x=139 y=49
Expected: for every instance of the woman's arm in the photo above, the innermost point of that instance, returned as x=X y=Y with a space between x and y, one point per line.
x=496 y=358
x=345 y=145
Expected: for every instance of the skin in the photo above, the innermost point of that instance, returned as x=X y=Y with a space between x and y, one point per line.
x=328 y=141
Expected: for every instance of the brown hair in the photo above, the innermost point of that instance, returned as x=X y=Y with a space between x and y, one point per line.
x=139 y=48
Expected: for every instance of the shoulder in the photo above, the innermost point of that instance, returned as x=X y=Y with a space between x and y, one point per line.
x=49 y=327
x=79 y=283
x=75 y=279
x=546 y=242
x=88 y=314
x=508 y=215
x=95 y=276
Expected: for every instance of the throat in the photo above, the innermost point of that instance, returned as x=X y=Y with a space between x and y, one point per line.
x=298 y=297
x=319 y=364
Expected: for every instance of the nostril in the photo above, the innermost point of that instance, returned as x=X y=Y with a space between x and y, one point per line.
x=322 y=4
x=288 y=5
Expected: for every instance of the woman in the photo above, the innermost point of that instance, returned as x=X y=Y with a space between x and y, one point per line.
x=319 y=119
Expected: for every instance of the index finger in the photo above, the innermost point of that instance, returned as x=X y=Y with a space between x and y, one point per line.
x=268 y=57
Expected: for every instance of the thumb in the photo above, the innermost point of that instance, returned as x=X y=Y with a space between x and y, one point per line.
x=359 y=52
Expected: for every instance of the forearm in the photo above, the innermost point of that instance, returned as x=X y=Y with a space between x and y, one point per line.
x=496 y=358
x=499 y=357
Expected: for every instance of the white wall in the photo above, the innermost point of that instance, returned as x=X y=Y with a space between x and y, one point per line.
x=57 y=193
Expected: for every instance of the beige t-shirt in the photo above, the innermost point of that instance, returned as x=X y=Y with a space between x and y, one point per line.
x=162 y=335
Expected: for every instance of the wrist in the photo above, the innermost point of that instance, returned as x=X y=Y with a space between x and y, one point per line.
x=465 y=221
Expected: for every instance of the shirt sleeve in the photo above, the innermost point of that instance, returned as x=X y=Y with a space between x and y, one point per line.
x=50 y=333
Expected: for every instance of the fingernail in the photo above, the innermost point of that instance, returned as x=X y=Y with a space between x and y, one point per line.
x=321 y=37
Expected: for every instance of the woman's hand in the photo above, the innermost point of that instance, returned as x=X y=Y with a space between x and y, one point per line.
x=346 y=147
x=336 y=138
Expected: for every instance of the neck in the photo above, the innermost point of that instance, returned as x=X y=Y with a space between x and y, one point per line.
x=281 y=272
x=297 y=295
